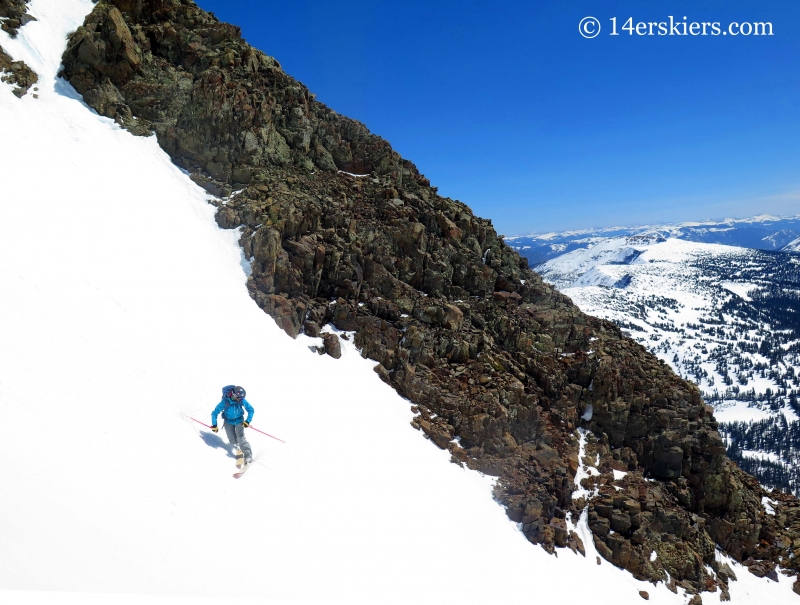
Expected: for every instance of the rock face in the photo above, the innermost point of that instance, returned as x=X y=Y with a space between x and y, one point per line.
x=485 y=350
x=16 y=73
x=13 y=15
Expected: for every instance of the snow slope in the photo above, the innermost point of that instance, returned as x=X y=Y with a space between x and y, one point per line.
x=123 y=309
x=793 y=246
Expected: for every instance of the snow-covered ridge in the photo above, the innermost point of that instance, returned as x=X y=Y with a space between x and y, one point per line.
x=793 y=246
x=717 y=225
x=761 y=233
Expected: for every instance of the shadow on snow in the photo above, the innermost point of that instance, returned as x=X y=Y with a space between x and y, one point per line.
x=215 y=441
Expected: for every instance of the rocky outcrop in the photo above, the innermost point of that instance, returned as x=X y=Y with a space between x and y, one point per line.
x=16 y=73
x=163 y=64
x=13 y=15
x=500 y=367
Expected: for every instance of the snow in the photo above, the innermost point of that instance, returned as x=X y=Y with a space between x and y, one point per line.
x=738 y=288
x=584 y=470
x=733 y=411
x=669 y=228
x=582 y=261
x=769 y=505
x=123 y=308
x=611 y=259
x=596 y=276
x=761 y=455
x=749 y=588
x=793 y=246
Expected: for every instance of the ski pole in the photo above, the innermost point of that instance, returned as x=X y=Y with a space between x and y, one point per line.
x=252 y=427
x=198 y=422
x=267 y=434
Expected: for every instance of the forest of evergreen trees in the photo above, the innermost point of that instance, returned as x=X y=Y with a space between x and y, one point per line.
x=775 y=436
x=740 y=349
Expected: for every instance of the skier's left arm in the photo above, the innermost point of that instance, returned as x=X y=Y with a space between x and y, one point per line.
x=249 y=409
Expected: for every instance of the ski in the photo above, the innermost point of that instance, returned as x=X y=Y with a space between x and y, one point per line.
x=241 y=472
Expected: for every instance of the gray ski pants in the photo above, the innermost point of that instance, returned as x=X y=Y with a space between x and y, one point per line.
x=235 y=434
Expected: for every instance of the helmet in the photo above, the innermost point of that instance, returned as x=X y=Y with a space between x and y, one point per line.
x=238 y=393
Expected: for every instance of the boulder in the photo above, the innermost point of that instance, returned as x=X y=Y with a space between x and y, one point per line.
x=332 y=345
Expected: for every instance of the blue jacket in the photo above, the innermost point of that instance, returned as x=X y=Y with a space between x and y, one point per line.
x=235 y=412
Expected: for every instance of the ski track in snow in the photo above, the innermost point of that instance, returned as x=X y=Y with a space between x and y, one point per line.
x=123 y=309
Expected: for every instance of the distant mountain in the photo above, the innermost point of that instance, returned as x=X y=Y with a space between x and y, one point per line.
x=760 y=232
x=777 y=240
x=722 y=316
x=793 y=246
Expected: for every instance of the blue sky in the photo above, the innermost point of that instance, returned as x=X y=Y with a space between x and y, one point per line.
x=506 y=107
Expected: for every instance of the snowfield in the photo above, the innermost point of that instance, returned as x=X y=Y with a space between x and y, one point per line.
x=123 y=309
x=688 y=303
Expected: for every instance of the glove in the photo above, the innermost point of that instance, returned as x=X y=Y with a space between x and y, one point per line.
x=245 y=424
x=214 y=428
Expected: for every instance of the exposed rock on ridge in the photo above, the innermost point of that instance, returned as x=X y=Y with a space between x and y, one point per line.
x=13 y=15
x=16 y=73
x=486 y=351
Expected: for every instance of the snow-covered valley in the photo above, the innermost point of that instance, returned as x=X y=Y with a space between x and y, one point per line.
x=123 y=310
x=721 y=316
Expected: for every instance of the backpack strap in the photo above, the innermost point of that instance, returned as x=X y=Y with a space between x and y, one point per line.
x=228 y=405
x=226 y=401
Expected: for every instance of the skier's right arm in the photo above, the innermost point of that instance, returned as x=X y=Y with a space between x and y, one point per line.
x=216 y=413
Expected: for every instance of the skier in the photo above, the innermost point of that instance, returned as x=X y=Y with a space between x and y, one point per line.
x=232 y=407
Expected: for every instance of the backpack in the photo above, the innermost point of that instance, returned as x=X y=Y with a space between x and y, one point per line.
x=228 y=403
